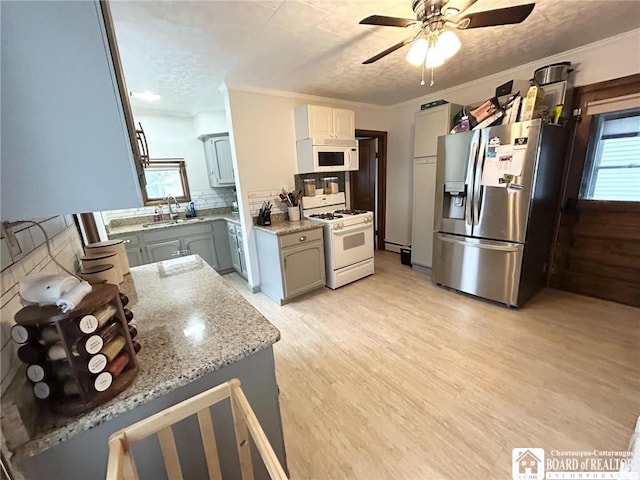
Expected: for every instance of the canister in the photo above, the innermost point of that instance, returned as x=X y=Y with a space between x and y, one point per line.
x=106 y=258
x=309 y=187
x=111 y=246
x=100 y=274
x=330 y=185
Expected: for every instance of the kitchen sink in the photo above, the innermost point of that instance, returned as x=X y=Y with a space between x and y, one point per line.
x=165 y=223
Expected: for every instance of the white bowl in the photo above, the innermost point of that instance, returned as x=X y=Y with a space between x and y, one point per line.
x=319 y=191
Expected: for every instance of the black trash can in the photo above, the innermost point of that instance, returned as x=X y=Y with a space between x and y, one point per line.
x=405 y=255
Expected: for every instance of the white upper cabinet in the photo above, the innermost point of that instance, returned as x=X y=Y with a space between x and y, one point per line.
x=324 y=123
x=320 y=124
x=344 y=124
x=219 y=162
x=430 y=124
x=68 y=138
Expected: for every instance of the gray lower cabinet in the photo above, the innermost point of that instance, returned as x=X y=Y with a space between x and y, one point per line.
x=236 y=245
x=202 y=245
x=207 y=239
x=222 y=246
x=136 y=255
x=303 y=268
x=291 y=264
x=164 y=250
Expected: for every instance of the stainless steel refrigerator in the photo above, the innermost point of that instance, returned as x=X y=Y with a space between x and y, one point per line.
x=496 y=194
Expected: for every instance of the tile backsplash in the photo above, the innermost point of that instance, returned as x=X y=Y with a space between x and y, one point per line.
x=258 y=197
x=212 y=198
x=17 y=263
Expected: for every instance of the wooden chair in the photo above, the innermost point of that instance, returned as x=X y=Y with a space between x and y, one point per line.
x=121 y=464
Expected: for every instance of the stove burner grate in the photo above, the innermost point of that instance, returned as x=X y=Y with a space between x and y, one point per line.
x=350 y=212
x=325 y=216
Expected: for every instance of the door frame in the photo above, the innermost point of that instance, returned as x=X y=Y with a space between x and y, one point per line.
x=381 y=187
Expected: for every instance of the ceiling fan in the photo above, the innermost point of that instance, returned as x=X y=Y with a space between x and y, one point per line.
x=435 y=40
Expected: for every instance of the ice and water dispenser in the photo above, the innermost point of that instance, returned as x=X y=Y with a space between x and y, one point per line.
x=454 y=201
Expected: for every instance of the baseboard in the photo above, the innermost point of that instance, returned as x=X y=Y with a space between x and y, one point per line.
x=254 y=289
x=392 y=247
x=421 y=269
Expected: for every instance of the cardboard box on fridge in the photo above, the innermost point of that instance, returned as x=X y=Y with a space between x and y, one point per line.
x=532 y=104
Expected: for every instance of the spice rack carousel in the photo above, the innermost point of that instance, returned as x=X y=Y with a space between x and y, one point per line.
x=80 y=359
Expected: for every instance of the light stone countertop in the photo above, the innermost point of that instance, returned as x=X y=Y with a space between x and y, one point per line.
x=285 y=227
x=190 y=323
x=137 y=227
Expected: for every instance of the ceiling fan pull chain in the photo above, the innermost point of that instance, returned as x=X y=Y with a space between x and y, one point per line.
x=422 y=82
x=431 y=84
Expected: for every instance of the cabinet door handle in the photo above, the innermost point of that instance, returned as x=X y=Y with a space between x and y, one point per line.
x=302 y=238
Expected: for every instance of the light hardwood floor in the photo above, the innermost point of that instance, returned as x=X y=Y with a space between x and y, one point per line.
x=392 y=377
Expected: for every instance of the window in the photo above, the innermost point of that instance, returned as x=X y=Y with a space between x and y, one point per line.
x=166 y=177
x=612 y=171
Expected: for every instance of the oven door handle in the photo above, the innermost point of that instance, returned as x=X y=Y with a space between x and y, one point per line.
x=352 y=229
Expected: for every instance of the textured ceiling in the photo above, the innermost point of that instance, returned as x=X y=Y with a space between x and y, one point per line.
x=185 y=50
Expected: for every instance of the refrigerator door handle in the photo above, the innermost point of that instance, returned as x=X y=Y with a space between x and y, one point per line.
x=485 y=244
x=476 y=184
x=470 y=182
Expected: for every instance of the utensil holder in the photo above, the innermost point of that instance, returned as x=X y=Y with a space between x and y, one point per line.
x=294 y=214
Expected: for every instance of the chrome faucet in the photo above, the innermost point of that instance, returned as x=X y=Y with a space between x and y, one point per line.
x=171 y=214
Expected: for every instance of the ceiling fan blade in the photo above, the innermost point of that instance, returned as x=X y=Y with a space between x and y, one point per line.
x=389 y=50
x=383 y=21
x=456 y=7
x=500 y=16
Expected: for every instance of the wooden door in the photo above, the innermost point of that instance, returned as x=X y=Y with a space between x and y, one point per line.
x=362 y=182
x=597 y=249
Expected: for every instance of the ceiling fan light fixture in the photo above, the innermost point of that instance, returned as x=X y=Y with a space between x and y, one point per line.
x=434 y=58
x=418 y=51
x=448 y=44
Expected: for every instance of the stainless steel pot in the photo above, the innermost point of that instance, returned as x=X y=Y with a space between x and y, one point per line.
x=556 y=72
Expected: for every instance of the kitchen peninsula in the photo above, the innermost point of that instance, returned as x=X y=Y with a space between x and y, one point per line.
x=196 y=332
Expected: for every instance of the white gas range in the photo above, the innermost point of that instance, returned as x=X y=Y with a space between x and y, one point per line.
x=348 y=238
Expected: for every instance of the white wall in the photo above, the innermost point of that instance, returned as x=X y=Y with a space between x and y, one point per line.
x=263 y=134
x=612 y=58
x=174 y=137
x=171 y=136
x=210 y=122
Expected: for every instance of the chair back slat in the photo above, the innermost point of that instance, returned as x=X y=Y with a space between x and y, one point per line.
x=130 y=471
x=209 y=443
x=242 y=439
x=121 y=465
x=176 y=413
x=276 y=472
x=170 y=454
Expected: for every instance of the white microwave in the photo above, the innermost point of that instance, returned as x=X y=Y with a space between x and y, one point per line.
x=332 y=157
